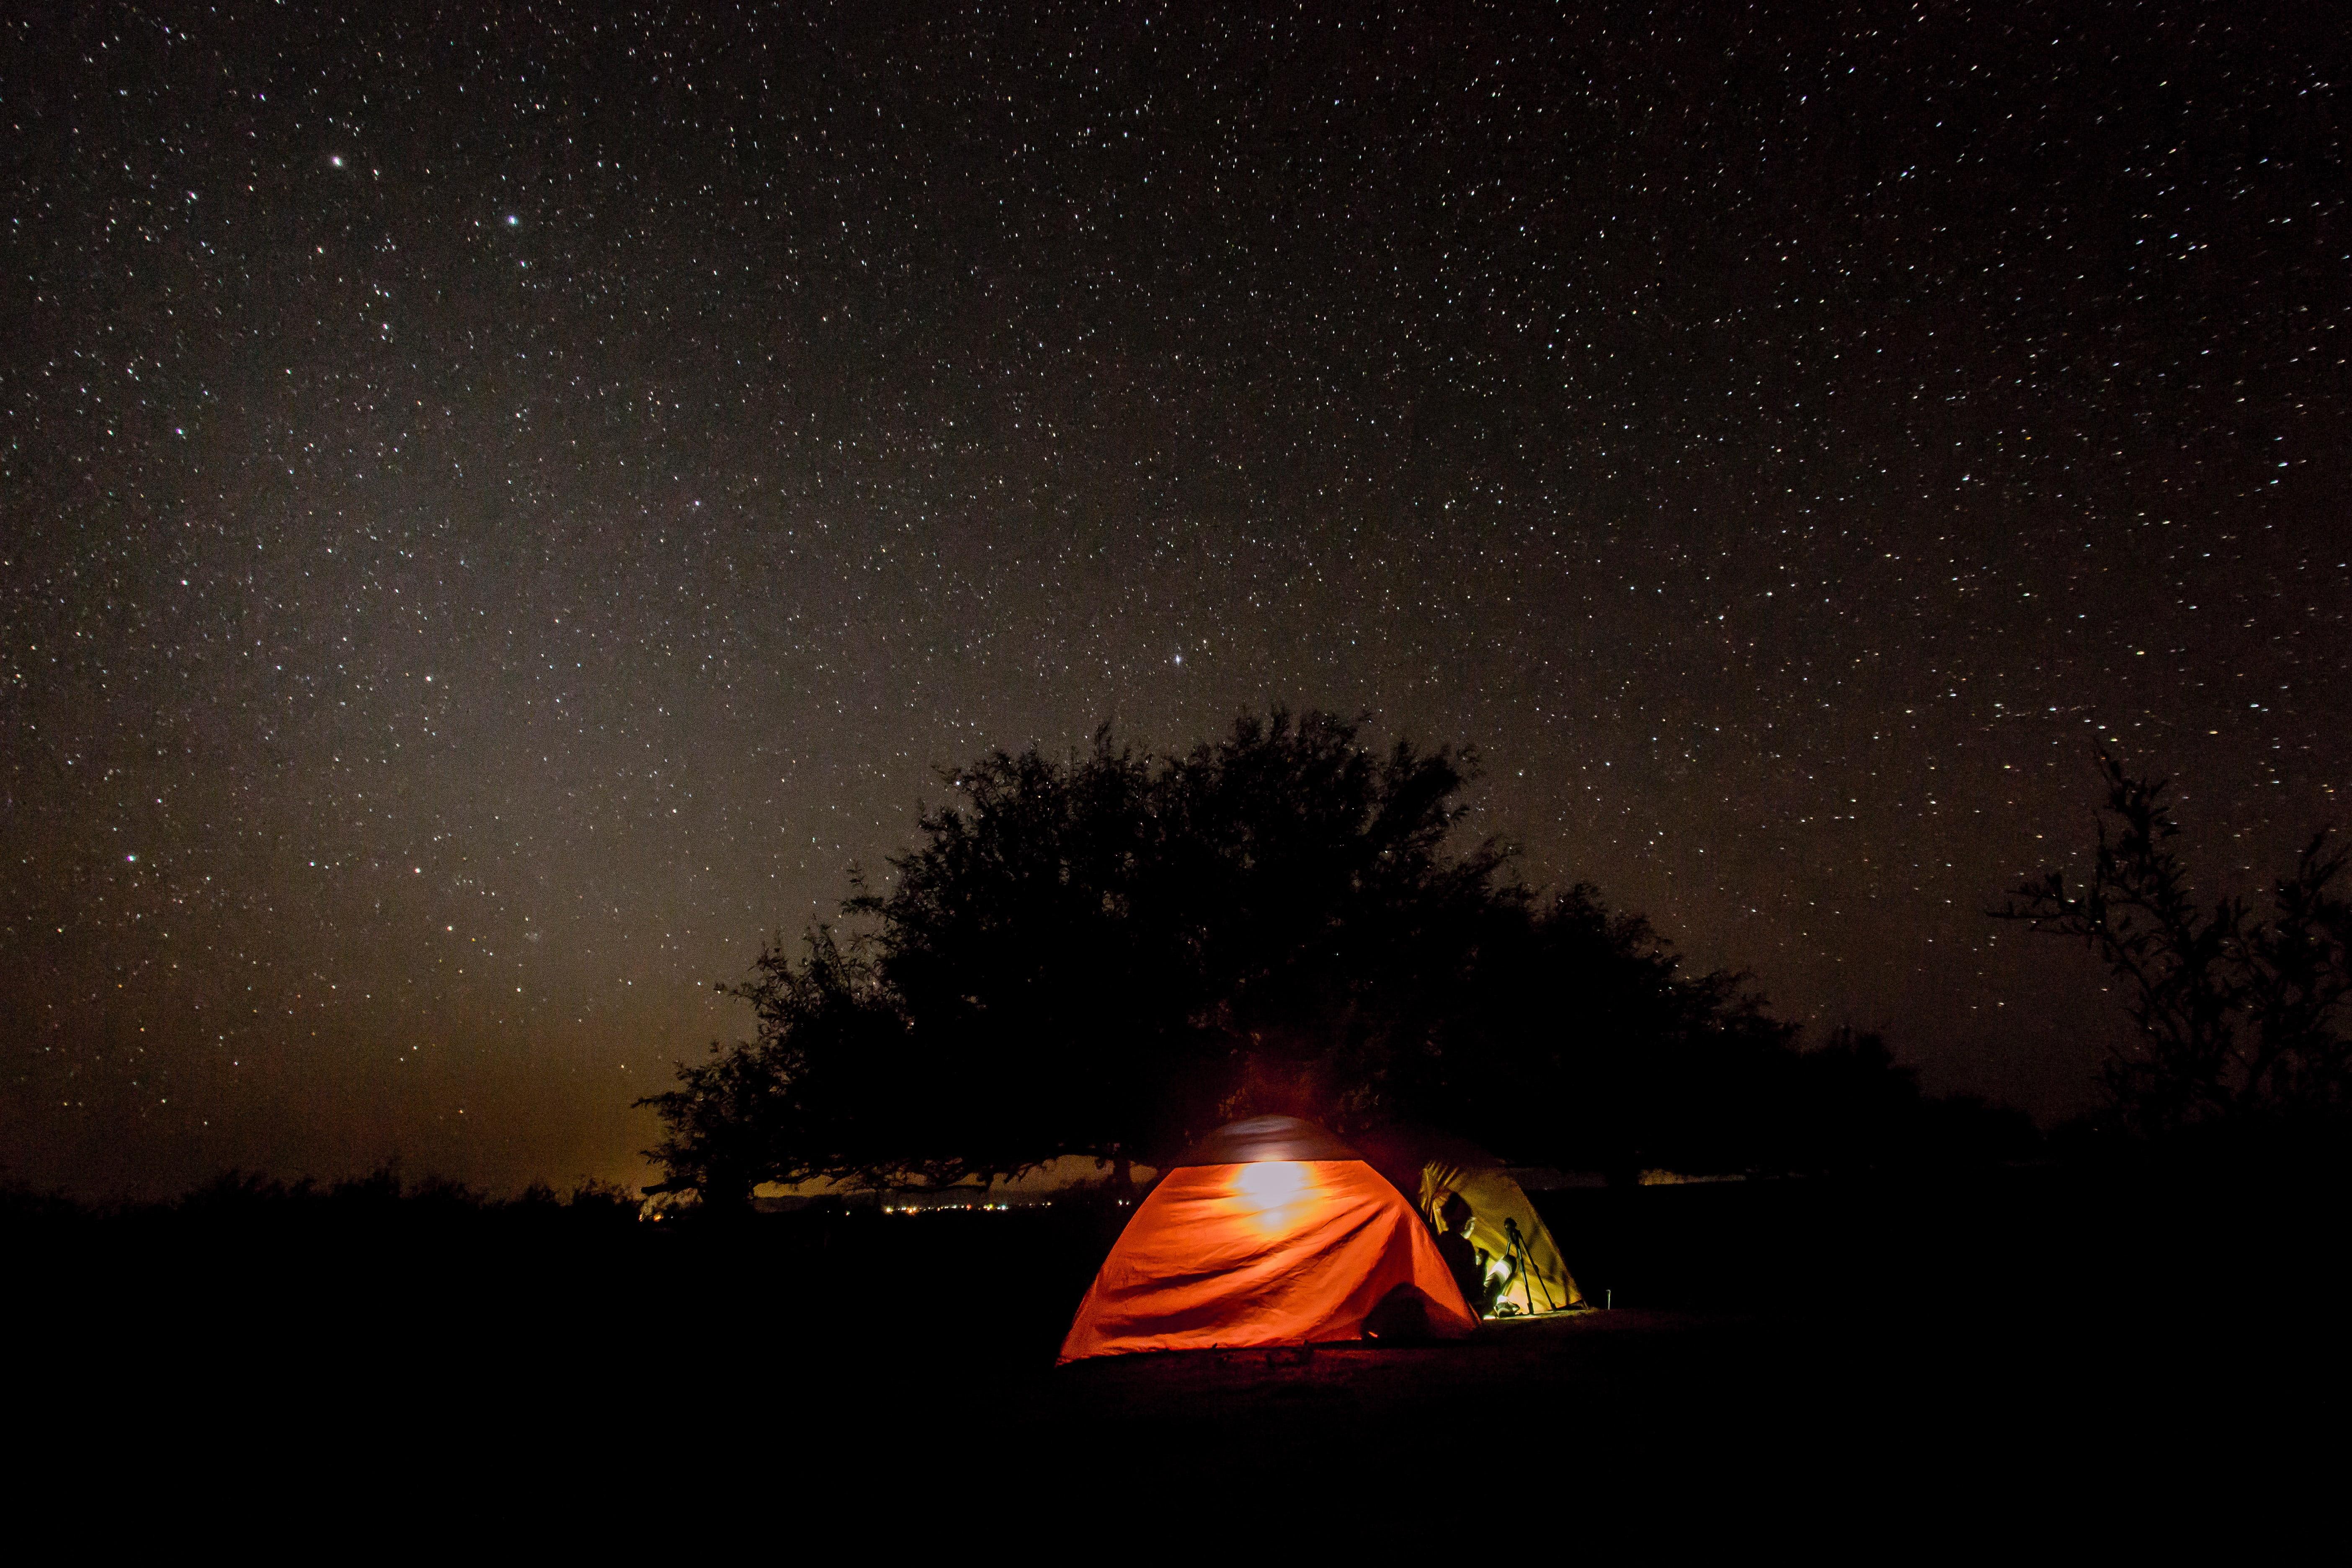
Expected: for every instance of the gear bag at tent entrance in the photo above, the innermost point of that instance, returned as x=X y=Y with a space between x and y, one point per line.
x=1272 y=1232
x=1521 y=1260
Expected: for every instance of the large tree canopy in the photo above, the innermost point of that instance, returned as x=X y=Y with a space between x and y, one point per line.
x=1110 y=955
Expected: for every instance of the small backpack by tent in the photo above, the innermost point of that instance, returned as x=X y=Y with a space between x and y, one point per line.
x=1272 y=1232
x=1428 y=1167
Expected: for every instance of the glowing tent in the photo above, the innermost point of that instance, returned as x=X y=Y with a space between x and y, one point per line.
x=1271 y=1233
x=1517 y=1252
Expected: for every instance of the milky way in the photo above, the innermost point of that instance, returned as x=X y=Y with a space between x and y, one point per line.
x=499 y=514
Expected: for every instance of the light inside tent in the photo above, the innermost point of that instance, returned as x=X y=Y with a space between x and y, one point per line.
x=1273 y=1190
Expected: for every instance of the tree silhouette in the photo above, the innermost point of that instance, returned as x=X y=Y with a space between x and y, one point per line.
x=1110 y=955
x=2240 y=1019
x=1106 y=956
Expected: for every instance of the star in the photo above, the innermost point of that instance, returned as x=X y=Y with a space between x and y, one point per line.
x=1782 y=463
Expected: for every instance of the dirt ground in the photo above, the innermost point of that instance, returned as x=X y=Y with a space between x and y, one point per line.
x=1580 y=1359
x=1531 y=1391
x=1771 y=1352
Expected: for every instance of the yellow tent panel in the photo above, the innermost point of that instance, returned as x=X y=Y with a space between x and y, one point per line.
x=1522 y=1262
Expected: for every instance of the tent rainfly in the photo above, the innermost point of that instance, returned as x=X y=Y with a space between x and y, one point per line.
x=1272 y=1232
x=1524 y=1271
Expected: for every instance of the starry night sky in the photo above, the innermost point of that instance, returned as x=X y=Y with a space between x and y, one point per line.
x=498 y=511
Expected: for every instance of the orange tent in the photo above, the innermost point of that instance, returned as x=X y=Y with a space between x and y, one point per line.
x=1271 y=1233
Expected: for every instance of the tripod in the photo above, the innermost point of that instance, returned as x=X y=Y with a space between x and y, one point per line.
x=1522 y=1264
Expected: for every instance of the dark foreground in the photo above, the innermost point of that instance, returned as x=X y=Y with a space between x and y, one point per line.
x=2019 y=1337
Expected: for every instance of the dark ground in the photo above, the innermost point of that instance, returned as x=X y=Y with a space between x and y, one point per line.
x=2006 y=1342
